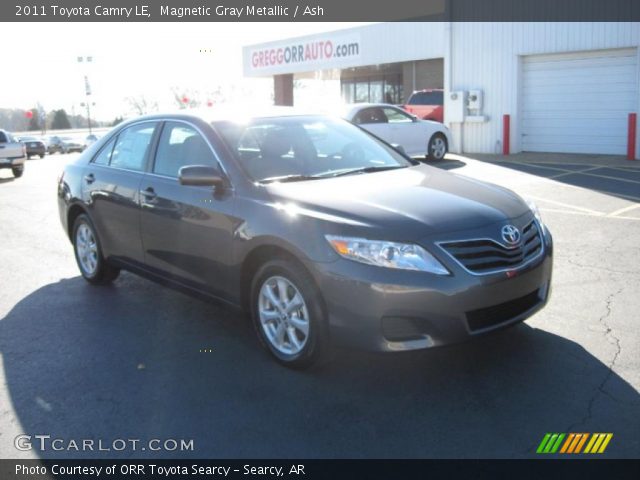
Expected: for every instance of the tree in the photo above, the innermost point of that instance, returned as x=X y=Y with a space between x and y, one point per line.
x=60 y=120
x=141 y=105
x=116 y=121
x=185 y=98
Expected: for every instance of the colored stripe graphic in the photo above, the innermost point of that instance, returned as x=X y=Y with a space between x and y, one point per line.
x=598 y=443
x=581 y=443
x=556 y=445
x=544 y=441
x=567 y=443
x=606 y=442
x=572 y=443
x=550 y=443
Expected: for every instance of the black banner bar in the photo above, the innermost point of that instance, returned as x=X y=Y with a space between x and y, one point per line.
x=319 y=10
x=320 y=469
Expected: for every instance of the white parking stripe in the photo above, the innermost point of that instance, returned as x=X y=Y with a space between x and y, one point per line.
x=566 y=205
x=624 y=210
x=585 y=214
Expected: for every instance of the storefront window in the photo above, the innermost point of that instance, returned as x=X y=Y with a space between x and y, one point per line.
x=375 y=91
x=362 y=92
x=386 y=89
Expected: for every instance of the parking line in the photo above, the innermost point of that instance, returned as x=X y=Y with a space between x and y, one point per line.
x=566 y=205
x=624 y=210
x=610 y=178
x=585 y=214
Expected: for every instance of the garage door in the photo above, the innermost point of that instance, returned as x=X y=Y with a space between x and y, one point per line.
x=578 y=102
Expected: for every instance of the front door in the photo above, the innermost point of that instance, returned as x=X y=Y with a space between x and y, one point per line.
x=186 y=230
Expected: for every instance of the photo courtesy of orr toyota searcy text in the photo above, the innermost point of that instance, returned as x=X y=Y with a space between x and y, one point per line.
x=158 y=470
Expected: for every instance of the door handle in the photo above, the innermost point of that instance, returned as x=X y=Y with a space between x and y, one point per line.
x=89 y=178
x=148 y=193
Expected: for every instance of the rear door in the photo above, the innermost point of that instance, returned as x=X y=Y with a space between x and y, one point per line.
x=186 y=230
x=111 y=186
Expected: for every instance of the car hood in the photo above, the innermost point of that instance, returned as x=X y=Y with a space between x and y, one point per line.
x=403 y=204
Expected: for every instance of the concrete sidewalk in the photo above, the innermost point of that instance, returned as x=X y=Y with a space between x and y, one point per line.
x=617 y=161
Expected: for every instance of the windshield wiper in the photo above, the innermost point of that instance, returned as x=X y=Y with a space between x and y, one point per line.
x=289 y=178
x=378 y=168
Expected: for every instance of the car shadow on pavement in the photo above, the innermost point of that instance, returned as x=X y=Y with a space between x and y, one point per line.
x=139 y=361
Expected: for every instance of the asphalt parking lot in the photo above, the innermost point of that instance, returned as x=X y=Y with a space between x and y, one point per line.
x=139 y=361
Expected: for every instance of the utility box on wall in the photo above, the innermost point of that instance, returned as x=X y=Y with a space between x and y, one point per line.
x=455 y=106
x=474 y=102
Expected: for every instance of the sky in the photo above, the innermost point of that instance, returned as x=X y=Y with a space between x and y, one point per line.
x=133 y=60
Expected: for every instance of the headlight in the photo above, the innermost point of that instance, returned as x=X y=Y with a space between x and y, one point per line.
x=536 y=212
x=403 y=256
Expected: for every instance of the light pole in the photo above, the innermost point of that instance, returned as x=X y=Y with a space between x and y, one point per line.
x=87 y=88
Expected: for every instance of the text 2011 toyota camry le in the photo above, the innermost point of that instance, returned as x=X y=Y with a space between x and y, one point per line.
x=318 y=229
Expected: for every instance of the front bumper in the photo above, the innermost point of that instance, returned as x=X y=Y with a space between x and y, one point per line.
x=393 y=310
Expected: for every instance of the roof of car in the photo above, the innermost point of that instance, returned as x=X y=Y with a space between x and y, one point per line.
x=233 y=113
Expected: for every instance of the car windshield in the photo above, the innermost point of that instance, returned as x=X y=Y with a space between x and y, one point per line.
x=306 y=147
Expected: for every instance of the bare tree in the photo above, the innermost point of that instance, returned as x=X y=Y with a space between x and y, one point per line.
x=141 y=105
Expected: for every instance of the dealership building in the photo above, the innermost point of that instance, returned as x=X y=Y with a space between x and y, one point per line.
x=569 y=87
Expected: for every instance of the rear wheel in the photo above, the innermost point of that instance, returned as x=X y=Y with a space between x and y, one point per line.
x=17 y=171
x=287 y=313
x=437 y=147
x=86 y=245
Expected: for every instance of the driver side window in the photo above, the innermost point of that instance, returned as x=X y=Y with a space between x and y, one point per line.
x=397 y=116
x=181 y=145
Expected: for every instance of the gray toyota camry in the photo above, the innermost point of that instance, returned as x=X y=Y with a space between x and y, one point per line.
x=322 y=232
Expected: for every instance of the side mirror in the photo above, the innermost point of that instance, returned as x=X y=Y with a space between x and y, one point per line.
x=399 y=148
x=200 y=175
x=414 y=117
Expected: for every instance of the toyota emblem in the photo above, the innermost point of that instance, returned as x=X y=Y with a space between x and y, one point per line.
x=510 y=234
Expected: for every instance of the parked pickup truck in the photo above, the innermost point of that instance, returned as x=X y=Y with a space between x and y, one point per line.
x=426 y=104
x=12 y=153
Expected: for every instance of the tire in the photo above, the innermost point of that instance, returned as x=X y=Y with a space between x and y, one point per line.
x=41 y=155
x=307 y=349
x=28 y=157
x=17 y=171
x=86 y=247
x=437 y=147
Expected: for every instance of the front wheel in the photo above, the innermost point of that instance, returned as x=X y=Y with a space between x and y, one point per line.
x=18 y=171
x=437 y=147
x=86 y=245
x=287 y=313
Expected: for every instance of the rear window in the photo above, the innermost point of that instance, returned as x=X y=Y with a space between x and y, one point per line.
x=426 y=98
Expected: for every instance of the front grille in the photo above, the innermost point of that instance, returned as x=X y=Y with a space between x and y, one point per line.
x=491 y=316
x=486 y=255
